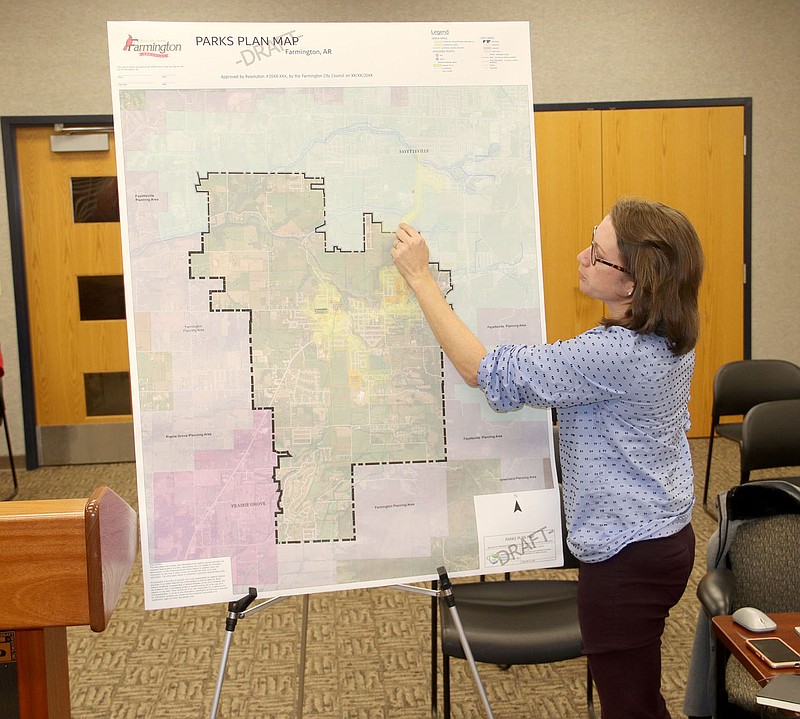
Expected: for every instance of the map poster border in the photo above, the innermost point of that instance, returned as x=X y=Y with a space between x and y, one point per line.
x=233 y=65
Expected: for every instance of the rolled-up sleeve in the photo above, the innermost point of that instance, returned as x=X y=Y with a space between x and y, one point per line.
x=581 y=371
x=494 y=380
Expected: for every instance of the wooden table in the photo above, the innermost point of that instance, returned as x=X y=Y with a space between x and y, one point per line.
x=733 y=637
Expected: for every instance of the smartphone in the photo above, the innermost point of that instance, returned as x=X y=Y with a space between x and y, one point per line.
x=775 y=652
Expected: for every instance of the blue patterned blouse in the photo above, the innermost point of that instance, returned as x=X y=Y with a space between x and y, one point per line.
x=622 y=418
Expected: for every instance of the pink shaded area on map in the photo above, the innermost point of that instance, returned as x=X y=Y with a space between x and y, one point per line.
x=224 y=508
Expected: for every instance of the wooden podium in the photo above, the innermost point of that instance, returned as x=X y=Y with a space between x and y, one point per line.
x=63 y=562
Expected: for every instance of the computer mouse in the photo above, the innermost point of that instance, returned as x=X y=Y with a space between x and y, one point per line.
x=754 y=620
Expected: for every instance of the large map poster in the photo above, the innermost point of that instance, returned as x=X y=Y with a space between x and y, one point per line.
x=297 y=427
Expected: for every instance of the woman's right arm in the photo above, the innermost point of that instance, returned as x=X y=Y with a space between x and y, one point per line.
x=464 y=349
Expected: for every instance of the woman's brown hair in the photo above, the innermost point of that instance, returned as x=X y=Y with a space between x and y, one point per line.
x=662 y=252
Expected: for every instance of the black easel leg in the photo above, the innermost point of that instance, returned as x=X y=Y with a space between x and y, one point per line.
x=434 y=651
x=10 y=454
x=446 y=685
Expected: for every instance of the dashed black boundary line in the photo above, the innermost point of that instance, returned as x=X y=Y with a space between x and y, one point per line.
x=318 y=184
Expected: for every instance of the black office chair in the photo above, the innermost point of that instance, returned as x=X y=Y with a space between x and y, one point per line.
x=529 y=621
x=758 y=565
x=771 y=437
x=739 y=386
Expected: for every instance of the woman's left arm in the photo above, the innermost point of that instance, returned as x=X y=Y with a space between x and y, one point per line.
x=465 y=350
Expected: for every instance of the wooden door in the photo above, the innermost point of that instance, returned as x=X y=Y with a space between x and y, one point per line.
x=569 y=168
x=73 y=266
x=690 y=158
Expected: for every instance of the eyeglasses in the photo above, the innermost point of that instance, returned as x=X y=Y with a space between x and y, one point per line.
x=594 y=259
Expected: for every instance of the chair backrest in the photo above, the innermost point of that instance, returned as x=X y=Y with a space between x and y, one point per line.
x=740 y=385
x=763 y=552
x=771 y=436
x=766 y=498
x=766 y=564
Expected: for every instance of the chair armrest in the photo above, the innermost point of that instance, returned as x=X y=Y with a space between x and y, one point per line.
x=715 y=591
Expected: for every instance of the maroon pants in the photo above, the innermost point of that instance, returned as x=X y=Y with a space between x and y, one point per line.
x=623 y=604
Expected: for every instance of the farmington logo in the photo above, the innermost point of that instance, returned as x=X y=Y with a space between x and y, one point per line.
x=151 y=49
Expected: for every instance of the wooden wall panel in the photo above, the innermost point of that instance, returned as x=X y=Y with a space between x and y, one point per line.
x=691 y=159
x=569 y=166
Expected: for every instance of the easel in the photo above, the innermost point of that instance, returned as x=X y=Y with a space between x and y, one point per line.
x=238 y=609
x=4 y=422
x=445 y=591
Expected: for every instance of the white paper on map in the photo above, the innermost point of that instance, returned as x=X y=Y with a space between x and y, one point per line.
x=519 y=530
x=297 y=427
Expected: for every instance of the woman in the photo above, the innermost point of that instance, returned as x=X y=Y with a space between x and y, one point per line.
x=622 y=391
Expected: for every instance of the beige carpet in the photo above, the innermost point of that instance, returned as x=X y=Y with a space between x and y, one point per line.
x=368 y=650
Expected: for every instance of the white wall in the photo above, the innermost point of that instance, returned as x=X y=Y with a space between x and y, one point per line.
x=53 y=61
